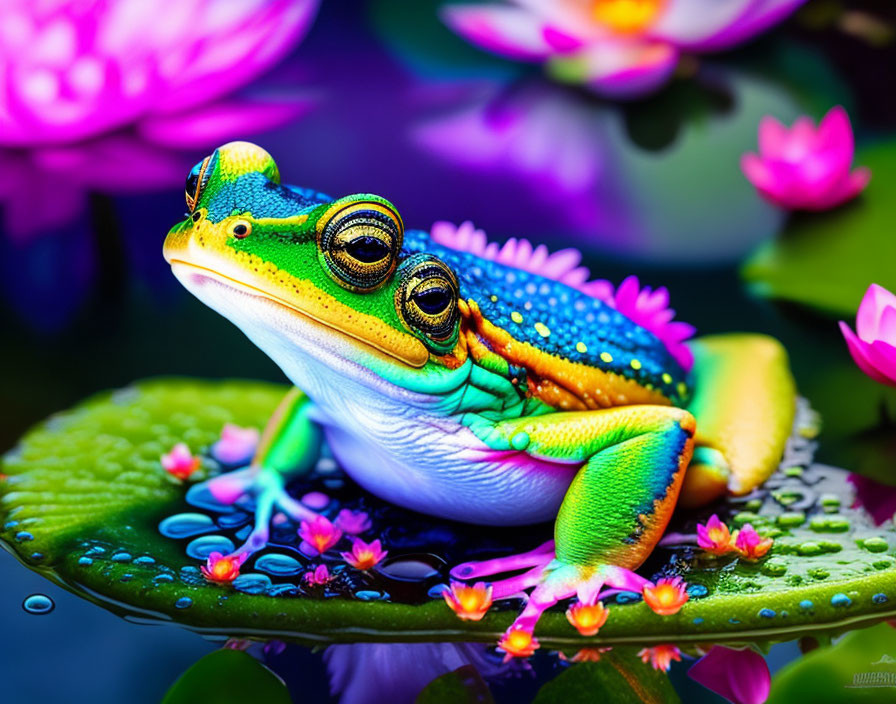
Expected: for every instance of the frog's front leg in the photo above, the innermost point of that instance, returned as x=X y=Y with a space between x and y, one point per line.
x=633 y=461
x=289 y=447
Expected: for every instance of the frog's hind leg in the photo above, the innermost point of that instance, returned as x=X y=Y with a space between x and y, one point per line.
x=616 y=509
x=289 y=446
x=744 y=403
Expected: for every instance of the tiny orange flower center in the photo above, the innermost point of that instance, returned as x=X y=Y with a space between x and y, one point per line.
x=626 y=16
x=222 y=567
x=666 y=594
x=518 y=639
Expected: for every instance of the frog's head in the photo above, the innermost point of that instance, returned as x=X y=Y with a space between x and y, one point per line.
x=320 y=285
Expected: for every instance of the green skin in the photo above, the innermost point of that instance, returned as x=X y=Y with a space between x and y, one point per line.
x=381 y=336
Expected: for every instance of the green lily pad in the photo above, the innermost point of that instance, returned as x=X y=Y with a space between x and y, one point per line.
x=463 y=686
x=859 y=669
x=828 y=260
x=619 y=676
x=85 y=494
x=228 y=677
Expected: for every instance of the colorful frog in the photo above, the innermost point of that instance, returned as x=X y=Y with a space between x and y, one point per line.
x=450 y=377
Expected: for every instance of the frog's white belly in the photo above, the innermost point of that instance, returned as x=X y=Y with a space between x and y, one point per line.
x=448 y=473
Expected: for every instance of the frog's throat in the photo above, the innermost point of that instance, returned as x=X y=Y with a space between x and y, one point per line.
x=370 y=336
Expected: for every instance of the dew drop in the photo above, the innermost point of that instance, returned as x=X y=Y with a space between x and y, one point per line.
x=200 y=548
x=186 y=525
x=38 y=604
x=278 y=565
x=184 y=602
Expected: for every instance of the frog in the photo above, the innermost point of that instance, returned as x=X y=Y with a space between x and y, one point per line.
x=467 y=381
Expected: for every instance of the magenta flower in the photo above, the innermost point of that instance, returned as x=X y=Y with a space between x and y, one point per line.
x=319 y=576
x=363 y=555
x=236 y=445
x=714 y=537
x=879 y=500
x=804 y=167
x=319 y=535
x=750 y=545
x=874 y=348
x=179 y=462
x=74 y=70
x=353 y=522
x=644 y=306
x=619 y=48
x=741 y=676
x=223 y=569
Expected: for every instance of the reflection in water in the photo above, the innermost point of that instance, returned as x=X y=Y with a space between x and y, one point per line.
x=369 y=673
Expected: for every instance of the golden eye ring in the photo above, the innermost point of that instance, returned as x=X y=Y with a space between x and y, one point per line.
x=427 y=301
x=359 y=242
x=241 y=229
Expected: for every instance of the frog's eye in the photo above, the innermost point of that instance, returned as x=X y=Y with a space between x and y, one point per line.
x=196 y=181
x=359 y=244
x=426 y=300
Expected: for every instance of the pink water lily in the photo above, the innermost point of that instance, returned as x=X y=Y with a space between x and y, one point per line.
x=873 y=345
x=319 y=576
x=236 y=444
x=741 y=676
x=318 y=535
x=750 y=545
x=353 y=522
x=76 y=69
x=180 y=463
x=619 y=48
x=806 y=167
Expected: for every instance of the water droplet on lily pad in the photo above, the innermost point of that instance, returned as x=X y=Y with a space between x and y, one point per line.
x=186 y=525
x=252 y=583
x=38 y=604
x=278 y=565
x=184 y=602
x=200 y=548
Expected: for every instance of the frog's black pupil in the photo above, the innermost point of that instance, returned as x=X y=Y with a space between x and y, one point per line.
x=196 y=216
x=367 y=249
x=432 y=301
x=240 y=229
x=193 y=180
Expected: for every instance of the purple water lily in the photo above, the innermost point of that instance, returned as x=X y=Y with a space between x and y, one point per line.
x=741 y=676
x=619 y=48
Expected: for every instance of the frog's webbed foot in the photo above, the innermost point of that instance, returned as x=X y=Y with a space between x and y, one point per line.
x=267 y=489
x=614 y=512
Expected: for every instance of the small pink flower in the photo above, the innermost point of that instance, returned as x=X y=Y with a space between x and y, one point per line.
x=714 y=537
x=236 y=445
x=363 y=555
x=223 y=569
x=667 y=596
x=319 y=576
x=740 y=676
x=750 y=544
x=470 y=603
x=180 y=462
x=353 y=522
x=518 y=642
x=874 y=348
x=618 y=48
x=319 y=534
x=660 y=656
x=804 y=167
x=587 y=619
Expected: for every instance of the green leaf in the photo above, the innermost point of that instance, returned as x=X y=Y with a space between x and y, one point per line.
x=619 y=677
x=828 y=260
x=859 y=669
x=463 y=686
x=228 y=677
x=110 y=550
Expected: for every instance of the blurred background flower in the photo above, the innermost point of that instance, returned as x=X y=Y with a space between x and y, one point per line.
x=72 y=70
x=618 y=48
x=806 y=167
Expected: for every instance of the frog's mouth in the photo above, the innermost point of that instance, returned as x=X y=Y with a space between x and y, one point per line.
x=366 y=336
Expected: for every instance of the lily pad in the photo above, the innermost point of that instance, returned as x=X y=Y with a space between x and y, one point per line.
x=828 y=260
x=85 y=495
x=228 y=677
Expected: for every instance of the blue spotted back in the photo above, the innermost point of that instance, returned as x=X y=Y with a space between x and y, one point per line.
x=560 y=320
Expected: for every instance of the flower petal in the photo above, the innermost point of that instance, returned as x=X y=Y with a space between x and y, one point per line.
x=741 y=676
x=509 y=31
x=857 y=349
x=619 y=69
x=871 y=309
